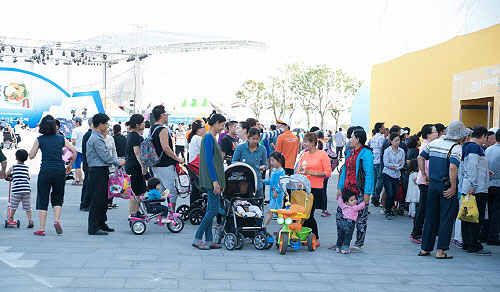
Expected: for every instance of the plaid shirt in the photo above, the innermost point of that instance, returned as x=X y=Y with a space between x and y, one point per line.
x=376 y=143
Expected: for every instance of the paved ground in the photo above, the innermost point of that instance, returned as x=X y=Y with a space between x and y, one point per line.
x=162 y=261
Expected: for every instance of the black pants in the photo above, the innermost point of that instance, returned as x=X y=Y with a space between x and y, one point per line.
x=470 y=231
x=85 y=197
x=418 y=223
x=311 y=222
x=159 y=208
x=50 y=187
x=439 y=219
x=179 y=149
x=98 y=180
x=325 y=194
x=338 y=150
x=289 y=171
x=491 y=226
x=391 y=186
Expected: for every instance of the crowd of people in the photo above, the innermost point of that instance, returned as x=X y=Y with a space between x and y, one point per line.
x=425 y=174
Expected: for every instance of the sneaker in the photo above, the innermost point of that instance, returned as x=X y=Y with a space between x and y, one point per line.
x=417 y=239
x=31 y=224
x=214 y=246
x=325 y=213
x=382 y=211
x=39 y=233
x=343 y=251
x=388 y=216
x=483 y=252
x=58 y=228
x=317 y=243
x=337 y=250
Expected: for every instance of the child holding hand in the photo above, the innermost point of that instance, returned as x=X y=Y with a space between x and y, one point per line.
x=277 y=161
x=345 y=226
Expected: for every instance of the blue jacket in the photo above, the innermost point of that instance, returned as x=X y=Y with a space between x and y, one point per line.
x=367 y=156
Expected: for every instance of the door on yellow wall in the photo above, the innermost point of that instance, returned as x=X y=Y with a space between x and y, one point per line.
x=477 y=112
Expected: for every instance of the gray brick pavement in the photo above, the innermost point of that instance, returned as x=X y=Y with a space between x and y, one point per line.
x=162 y=261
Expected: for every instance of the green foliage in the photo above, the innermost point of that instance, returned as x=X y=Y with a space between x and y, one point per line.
x=252 y=96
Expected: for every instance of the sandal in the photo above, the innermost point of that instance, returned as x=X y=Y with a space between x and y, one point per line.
x=58 y=228
x=446 y=257
x=201 y=245
x=421 y=254
x=114 y=206
x=110 y=207
x=39 y=233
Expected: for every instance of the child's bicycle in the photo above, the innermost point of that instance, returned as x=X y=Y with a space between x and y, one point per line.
x=8 y=221
x=138 y=220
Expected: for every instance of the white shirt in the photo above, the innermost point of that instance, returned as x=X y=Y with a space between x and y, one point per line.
x=180 y=138
x=77 y=134
x=339 y=139
x=145 y=133
x=194 y=147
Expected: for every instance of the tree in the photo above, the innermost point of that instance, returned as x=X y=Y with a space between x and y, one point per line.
x=333 y=92
x=252 y=95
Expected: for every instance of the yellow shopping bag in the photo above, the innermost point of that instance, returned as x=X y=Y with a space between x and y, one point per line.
x=468 y=210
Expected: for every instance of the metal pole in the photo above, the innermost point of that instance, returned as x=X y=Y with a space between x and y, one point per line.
x=490 y=107
x=68 y=80
x=104 y=73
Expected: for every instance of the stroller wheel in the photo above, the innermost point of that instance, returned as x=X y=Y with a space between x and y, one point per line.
x=401 y=211
x=230 y=241
x=241 y=240
x=179 y=225
x=6 y=224
x=18 y=223
x=138 y=227
x=260 y=241
x=196 y=215
x=184 y=211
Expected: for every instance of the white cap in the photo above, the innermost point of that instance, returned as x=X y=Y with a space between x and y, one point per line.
x=285 y=121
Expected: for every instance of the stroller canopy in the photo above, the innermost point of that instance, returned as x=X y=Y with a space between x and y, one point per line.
x=234 y=172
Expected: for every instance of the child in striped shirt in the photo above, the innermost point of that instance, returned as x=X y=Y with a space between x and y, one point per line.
x=20 y=190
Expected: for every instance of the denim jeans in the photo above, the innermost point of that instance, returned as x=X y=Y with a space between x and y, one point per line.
x=391 y=186
x=208 y=221
x=345 y=229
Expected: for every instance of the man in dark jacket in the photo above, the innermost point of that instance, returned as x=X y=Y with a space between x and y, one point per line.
x=85 y=198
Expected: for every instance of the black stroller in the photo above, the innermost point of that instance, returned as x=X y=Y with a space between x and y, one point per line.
x=241 y=184
x=198 y=200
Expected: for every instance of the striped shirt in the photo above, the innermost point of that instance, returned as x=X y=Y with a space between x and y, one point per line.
x=437 y=152
x=20 y=179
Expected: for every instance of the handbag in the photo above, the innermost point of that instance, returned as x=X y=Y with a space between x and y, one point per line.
x=119 y=185
x=468 y=209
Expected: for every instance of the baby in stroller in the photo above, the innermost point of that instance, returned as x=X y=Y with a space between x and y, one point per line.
x=247 y=210
x=154 y=194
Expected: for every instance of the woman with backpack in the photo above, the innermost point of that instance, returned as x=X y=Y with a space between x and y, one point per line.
x=134 y=166
x=357 y=175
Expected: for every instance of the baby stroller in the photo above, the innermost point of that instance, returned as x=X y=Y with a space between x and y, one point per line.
x=138 y=220
x=195 y=211
x=297 y=210
x=241 y=184
x=9 y=139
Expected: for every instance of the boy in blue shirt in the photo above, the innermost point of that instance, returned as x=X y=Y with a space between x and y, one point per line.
x=154 y=194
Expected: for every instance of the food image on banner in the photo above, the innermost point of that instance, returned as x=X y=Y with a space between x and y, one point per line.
x=15 y=95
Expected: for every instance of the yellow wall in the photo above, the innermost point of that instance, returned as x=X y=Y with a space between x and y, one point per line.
x=416 y=88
